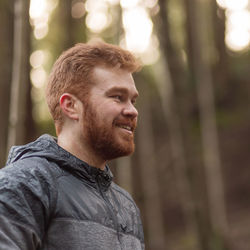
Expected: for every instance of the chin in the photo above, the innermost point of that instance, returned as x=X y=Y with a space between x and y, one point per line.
x=126 y=146
x=119 y=151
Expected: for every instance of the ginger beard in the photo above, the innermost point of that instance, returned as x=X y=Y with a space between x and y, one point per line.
x=107 y=139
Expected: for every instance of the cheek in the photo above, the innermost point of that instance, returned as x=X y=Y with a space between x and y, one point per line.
x=112 y=110
x=107 y=112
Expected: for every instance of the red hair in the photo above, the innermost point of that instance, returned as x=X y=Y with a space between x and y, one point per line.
x=71 y=72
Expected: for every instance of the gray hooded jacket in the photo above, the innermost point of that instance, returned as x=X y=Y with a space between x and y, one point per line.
x=50 y=199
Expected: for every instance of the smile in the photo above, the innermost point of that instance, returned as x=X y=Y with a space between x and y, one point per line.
x=126 y=127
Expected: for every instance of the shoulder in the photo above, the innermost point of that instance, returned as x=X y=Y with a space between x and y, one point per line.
x=36 y=167
x=28 y=194
x=30 y=178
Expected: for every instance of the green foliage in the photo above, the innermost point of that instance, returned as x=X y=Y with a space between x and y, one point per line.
x=46 y=127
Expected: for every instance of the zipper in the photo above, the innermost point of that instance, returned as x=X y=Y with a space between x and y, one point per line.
x=110 y=207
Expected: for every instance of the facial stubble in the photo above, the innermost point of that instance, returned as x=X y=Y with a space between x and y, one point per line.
x=102 y=136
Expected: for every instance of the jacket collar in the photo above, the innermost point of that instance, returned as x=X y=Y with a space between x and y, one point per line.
x=46 y=146
x=93 y=175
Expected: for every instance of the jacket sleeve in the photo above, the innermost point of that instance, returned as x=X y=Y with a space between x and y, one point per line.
x=25 y=198
x=14 y=235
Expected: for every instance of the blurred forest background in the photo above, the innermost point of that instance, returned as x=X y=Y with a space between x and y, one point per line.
x=190 y=174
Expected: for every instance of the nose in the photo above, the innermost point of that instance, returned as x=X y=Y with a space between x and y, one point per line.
x=130 y=110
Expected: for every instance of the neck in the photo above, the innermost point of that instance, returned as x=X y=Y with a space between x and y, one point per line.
x=76 y=146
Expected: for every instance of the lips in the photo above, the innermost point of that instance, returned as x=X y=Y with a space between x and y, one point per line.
x=129 y=126
x=125 y=127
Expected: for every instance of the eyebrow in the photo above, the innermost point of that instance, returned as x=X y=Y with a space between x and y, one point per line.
x=121 y=90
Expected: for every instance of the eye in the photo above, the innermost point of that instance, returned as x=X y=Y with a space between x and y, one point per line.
x=133 y=102
x=117 y=97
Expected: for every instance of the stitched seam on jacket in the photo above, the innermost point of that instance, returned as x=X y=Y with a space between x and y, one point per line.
x=94 y=222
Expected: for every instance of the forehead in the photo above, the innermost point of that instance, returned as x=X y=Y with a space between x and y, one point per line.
x=106 y=78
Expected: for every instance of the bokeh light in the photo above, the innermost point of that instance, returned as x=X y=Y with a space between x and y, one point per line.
x=238 y=19
x=233 y=4
x=97 y=5
x=150 y=3
x=152 y=54
x=138 y=28
x=237 y=24
x=38 y=77
x=37 y=59
x=98 y=17
x=37 y=8
x=78 y=10
x=113 y=2
x=237 y=39
x=41 y=30
x=39 y=14
x=129 y=3
x=97 y=21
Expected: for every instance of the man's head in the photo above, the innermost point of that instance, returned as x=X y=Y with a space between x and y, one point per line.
x=91 y=95
x=73 y=73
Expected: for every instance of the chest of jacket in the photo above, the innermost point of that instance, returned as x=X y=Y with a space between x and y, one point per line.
x=92 y=218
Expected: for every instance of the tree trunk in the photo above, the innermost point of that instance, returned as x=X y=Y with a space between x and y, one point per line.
x=124 y=173
x=221 y=65
x=172 y=54
x=171 y=71
x=150 y=185
x=74 y=29
x=197 y=38
x=66 y=21
x=20 y=74
x=6 y=34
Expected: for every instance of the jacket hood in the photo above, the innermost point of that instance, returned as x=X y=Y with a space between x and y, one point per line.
x=46 y=147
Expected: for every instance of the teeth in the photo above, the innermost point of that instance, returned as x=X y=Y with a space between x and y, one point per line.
x=125 y=127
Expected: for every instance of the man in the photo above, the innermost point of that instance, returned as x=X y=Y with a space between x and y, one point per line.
x=58 y=193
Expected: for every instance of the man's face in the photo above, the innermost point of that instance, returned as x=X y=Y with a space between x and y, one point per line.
x=110 y=117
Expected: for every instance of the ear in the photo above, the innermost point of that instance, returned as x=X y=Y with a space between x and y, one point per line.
x=70 y=106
